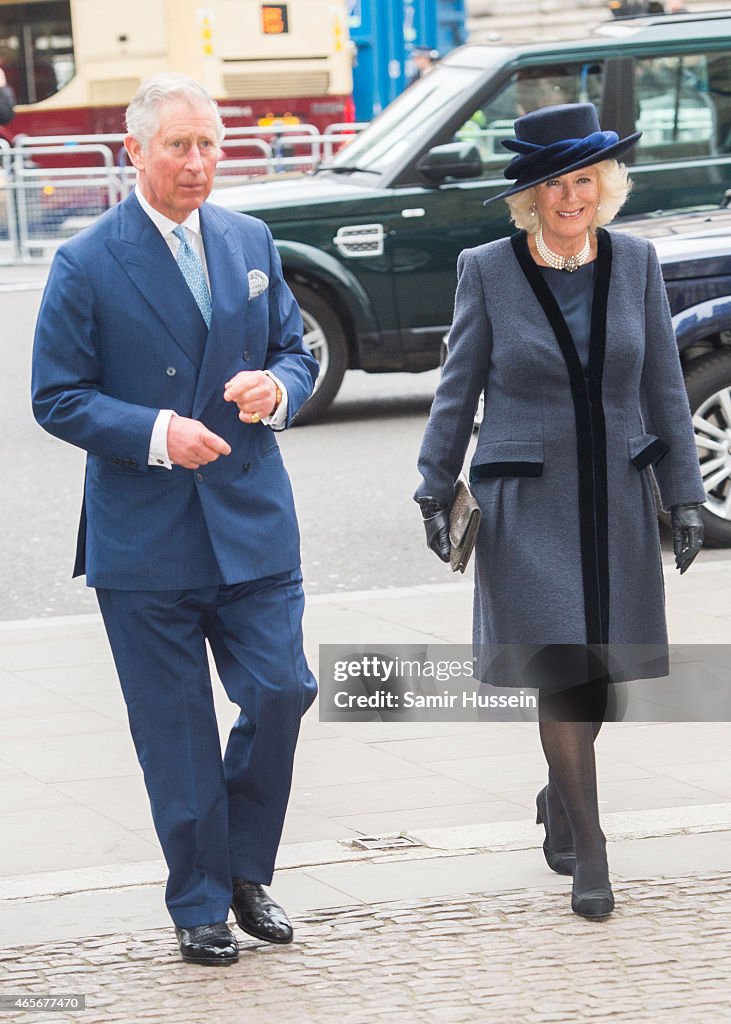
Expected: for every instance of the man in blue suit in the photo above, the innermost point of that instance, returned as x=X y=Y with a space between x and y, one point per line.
x=169 y=347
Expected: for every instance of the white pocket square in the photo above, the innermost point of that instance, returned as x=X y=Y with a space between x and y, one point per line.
x=258 y=283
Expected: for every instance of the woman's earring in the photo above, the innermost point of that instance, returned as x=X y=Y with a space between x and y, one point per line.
x=533 y=210
x=599 y=205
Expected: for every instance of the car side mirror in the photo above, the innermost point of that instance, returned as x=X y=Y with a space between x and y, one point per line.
x=456 y=160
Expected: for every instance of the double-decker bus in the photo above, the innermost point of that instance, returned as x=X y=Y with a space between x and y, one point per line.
x=75 y=64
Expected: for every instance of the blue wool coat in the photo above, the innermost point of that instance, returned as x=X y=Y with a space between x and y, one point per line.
x=568 y=551
x=119 y=337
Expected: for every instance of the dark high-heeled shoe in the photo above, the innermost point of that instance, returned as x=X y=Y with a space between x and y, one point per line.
x=593 y=903
x=560 y=861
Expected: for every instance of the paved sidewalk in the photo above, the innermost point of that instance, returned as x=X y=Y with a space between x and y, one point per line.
x=23 y=277
x=511 y=956
x=379 y=933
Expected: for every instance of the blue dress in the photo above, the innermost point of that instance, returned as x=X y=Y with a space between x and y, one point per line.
x=574 y=293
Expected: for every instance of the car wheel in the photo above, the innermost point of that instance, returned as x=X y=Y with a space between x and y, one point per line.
x=325 y=338
x=709 y=391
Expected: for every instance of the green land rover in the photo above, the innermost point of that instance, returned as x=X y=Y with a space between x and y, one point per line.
x=369 y=242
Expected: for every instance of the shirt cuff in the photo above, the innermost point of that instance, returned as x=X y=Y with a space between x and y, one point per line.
x=158 y=455
x=278 y=419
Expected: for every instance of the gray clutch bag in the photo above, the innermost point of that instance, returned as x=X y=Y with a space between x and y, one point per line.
x=464 y=523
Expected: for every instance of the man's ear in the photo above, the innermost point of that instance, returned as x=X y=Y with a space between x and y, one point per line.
x=135 y=152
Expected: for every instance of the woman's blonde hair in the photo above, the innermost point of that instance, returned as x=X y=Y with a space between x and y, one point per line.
x=614 y=187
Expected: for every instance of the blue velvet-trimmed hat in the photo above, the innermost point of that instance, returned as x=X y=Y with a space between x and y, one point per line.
x=557 y=140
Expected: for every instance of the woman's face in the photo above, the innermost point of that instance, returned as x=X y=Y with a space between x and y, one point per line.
x=566 y=207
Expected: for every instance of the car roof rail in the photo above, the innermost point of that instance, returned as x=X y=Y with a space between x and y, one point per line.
x=640 y=21
x=672 y=19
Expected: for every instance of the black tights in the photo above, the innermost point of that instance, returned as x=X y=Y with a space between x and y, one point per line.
x=569 y=722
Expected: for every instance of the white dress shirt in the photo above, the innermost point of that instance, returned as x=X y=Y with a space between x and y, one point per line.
x=158 y=454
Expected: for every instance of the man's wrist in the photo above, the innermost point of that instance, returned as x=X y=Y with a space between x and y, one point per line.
x=158 y=453
x=280 y=401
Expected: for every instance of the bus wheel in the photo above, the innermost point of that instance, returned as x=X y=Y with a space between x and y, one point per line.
x=325 y=339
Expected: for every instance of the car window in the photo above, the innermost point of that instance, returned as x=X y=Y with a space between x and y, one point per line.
x=526 y=90
x=683 y=106
x=403 y=123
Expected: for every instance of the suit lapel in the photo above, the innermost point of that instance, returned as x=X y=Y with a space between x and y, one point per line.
x=145 y=257
x=227 y=271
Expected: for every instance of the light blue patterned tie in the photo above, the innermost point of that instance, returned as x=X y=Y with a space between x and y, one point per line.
x=194 y=274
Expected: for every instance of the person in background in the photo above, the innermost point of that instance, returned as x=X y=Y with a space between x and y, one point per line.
x=565 y=329
x=424 y=60
x=7 y=104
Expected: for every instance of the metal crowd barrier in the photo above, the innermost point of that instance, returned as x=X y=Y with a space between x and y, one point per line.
x=8 y=222
x=53 y=203
x=41 y=205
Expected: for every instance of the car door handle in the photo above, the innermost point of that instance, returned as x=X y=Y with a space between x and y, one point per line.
x=416 y=211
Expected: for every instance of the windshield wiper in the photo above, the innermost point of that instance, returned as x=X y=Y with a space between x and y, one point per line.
x=344 y=169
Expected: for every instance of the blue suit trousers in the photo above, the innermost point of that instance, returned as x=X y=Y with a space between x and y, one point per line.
x=217 y=817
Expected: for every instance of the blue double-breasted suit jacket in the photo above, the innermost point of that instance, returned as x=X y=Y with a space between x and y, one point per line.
x=120 y=337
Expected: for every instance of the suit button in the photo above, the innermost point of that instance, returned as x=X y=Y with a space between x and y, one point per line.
x=247 y=467
x=247 y=357
x=199 y=477
x=171 y=371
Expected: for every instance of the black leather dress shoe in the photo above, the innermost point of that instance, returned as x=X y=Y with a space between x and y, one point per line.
x=257 y=914
x=208 y=944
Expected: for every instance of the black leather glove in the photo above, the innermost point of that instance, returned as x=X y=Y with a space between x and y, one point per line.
x=436 y=524
x=687 y=527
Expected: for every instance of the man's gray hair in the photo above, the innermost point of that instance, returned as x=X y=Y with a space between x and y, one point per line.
x=143 y=113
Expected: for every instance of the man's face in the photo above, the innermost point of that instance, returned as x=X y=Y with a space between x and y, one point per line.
x=175 y=171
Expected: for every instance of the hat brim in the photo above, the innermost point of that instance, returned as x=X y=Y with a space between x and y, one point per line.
x=610 y=153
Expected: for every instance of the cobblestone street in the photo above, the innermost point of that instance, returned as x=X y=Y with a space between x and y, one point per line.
x=519 y=957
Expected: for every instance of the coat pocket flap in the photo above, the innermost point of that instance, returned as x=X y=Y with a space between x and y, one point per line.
x=645 y=449
x=507 y=458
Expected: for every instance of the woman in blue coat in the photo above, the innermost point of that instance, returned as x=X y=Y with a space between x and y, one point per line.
x=565 y=329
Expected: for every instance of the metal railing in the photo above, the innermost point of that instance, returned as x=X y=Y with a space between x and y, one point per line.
x=8 y=220
x=53 y=186
x=53 y=203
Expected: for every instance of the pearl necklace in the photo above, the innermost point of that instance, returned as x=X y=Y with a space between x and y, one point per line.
x=570 y=263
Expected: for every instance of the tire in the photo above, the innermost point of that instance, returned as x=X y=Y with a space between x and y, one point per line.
x=325 y=338
x=708 y=382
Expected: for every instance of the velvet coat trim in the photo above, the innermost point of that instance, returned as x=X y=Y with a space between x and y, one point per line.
x=591 y=438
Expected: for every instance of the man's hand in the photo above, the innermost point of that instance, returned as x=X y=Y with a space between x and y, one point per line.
x=254 y=393
x=3 y=79
x=191 y=445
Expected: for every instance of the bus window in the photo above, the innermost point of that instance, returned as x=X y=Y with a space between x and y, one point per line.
x=36 y=48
